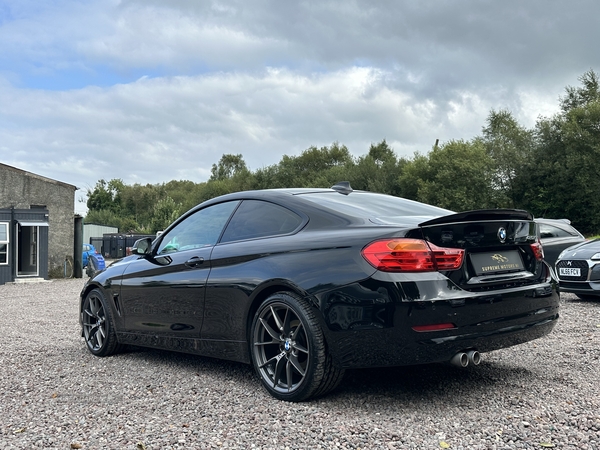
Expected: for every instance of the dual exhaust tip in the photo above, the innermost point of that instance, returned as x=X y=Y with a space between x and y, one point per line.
x=463 y=359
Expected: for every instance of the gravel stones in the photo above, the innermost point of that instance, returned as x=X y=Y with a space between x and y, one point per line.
x=543 y=394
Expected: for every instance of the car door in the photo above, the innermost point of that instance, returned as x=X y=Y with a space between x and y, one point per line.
x=257 y=230
x=162 y=294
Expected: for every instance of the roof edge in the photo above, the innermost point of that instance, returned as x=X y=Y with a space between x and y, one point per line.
x=39 y=177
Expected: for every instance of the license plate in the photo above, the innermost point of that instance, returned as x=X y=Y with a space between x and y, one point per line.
x=496 y=262
x=569 y=271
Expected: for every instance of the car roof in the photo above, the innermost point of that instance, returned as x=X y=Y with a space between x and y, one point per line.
x=562 y=221
x=341 y=201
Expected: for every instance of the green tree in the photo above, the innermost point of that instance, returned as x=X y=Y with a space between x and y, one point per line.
x=457 y=176
x=165 y=212
x=378 y=170
x=566 y=160
x=228 y=166
x=314 y=167
x=509 y=145
x=138 y=202
x=577 y=97
x=105 y=195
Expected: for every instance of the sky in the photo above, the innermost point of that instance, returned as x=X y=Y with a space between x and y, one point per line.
x=151 y=91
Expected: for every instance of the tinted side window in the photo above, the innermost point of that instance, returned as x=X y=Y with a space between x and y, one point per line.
x=201 y=229
x=254 y=219
x=547 y=231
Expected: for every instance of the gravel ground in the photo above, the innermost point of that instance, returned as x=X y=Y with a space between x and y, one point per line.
x=544 y=394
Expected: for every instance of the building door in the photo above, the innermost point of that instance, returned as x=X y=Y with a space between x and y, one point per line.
x=27 y=250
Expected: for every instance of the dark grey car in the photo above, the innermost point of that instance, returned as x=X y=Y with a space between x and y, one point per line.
x=557 y=235
x=578 y=270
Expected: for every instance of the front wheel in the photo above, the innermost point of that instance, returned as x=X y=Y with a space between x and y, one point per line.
x=288 y=350
x=98 y=325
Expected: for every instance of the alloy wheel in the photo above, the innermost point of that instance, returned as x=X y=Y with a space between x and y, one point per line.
x=281 y=349
x=94 y=323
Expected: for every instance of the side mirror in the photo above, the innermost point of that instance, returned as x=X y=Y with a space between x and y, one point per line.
x=142 y=246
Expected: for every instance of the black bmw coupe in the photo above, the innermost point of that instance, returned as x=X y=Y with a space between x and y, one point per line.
x=305 y=283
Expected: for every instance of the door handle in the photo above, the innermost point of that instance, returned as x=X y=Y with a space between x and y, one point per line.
x=194 y=262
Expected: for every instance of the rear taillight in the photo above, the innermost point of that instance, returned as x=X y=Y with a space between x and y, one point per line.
x=411 y=255
x=538 y=250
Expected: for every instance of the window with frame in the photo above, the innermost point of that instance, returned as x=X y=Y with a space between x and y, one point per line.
x=259 y=219
x=3 y=243
x=548 y=231
x=201 y=229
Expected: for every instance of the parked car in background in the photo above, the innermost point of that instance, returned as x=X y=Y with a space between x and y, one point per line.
x=578 y=270
x=306 y=283
x=557 y=235
x=88 y=249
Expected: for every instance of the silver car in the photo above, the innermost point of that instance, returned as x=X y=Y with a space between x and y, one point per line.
x=578 y=270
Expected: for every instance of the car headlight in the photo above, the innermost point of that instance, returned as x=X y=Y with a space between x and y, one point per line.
x=595 y=257
x=561 y=255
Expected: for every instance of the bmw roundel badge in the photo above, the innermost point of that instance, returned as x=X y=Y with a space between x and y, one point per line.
x=502 y=235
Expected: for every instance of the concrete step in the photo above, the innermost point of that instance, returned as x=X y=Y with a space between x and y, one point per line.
x=31 y=280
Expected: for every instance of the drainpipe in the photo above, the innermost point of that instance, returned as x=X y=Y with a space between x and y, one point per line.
x=78 y=244
x=12 y=245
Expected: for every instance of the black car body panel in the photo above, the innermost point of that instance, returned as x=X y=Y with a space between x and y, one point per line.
x=203 y=299
x=578 y=269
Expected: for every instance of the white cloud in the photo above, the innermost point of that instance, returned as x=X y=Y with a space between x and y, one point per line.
x=154 y=130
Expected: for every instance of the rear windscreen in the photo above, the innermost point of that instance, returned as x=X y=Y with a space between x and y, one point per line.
x=378 y=208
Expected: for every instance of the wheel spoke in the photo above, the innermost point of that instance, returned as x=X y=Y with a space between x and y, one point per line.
x=94 y=305
x=89 y=313
x=274 y=359
x=279 y=369
x=294 y=362
x=270 y=330
x=102 y=331
x=289 y=374
x=93 y=329
x=277 y=319
x=287 y=320
x=276 y=342
x=99 y=339
x=300 y=348
x=296 y=331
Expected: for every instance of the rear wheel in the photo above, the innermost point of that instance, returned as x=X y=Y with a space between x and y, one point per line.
x=288 y=350
x=98 y=325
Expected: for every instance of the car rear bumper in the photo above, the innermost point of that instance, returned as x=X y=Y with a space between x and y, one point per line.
x=385 y=328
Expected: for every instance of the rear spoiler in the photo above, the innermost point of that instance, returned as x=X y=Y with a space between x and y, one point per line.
x=481 y=215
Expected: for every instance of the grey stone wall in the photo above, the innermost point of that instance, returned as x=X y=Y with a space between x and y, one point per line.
x=21 y=190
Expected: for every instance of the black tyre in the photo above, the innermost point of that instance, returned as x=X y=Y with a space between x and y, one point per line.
x=98 y=325
x=588 y=297
x=288 y=350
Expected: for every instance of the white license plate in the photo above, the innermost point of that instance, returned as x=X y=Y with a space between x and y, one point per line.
x=569 y=271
